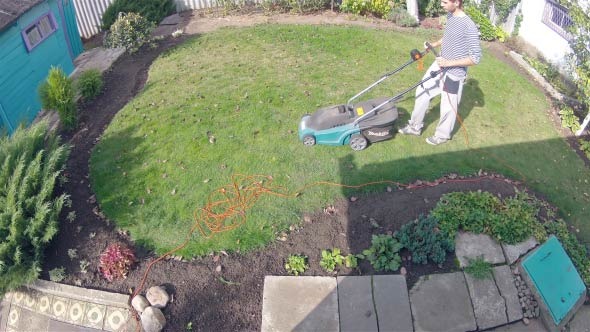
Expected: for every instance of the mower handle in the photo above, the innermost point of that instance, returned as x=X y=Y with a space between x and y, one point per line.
x=430 y=48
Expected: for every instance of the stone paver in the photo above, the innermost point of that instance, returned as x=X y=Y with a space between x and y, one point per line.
x=534 y=325
x=514 y=251
x=300 y=304
x=489 y=307
x=581 y=321
x=505 y=282
x=390 y=293
x=470 y=246
x=355 y=304
x=441 y=302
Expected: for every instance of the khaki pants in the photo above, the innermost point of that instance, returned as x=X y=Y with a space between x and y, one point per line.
x=450 y=88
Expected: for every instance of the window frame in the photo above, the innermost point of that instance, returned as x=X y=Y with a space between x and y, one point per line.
x=551 y=9
x=36 y=24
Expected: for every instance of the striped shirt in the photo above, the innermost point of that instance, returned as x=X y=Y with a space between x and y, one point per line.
x=460 y=40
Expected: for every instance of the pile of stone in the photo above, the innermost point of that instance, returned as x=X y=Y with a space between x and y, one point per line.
x=528 y=303
x=150 y=308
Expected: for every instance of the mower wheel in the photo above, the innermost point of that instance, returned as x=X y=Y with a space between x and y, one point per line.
x=309 y=140
x=358 y=142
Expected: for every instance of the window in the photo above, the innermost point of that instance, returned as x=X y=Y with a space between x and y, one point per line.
x=39 y=30
x=557 y=18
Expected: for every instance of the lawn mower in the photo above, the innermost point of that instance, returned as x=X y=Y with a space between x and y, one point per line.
x=361 y=123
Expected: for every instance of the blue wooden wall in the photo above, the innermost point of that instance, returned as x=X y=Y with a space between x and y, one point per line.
x=21 y=71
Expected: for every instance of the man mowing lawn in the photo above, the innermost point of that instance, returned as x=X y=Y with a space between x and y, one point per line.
x=459 y=49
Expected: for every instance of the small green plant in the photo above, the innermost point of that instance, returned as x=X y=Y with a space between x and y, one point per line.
x=569 y=119
x=487 y=31
x=383 y=253
x=89 y=84
x=58 y=274
x=116 y=261
x=585 y=146
x=479 y=268
x=351 y=261
x=296 y=264
x=72 y=253
x=424 y=240
x=331 y=259
x=71 y=216
x=57 y=93
x=189 y=326
x=84 y=264
x=130 y=31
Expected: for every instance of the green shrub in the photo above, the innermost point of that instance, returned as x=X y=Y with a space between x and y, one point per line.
x=479 y=268
x=569 y=119
x=575 y=250
x=430 y=8
x=357 y=7
x=307 y=6
x=383 y=253
x=30 y=163
x=585 y=146
x=331 y=259
x=130 y=31
x=379 y=8
x=153 y=10
x=424 y=241
x=510 y=221
x=401 y=17
x=57 y=93
x=89 y=84
x=296 y=264
x=487 y=31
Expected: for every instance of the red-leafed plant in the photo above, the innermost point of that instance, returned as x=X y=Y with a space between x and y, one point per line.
x=116 y=261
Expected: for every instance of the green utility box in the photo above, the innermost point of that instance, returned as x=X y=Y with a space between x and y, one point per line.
x=554 y=280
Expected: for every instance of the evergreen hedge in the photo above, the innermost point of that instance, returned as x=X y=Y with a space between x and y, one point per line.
x=30 y=162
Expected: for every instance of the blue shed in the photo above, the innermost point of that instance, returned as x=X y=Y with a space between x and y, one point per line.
x=34 y=35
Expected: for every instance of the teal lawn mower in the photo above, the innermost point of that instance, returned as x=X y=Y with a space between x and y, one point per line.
x=361 y=123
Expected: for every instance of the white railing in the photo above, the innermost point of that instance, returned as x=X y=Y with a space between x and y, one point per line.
x=89 y=12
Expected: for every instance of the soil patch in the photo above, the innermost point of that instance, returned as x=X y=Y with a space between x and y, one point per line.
x=223 y=292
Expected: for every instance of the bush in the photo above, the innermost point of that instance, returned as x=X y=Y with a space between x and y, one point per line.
x=89 y=84
x=116 y=261
x=401 y=17
x=30 y=163
x=153 y=10
x=424 y=241
x=379 y=8
x=57 y=93
x=430 y=8
x=383 y=253
x=129 y=31
x=307 y=6
x=487 y=31
x=510 y=221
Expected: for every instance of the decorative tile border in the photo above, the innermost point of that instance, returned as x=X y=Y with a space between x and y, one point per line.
x=78 y=306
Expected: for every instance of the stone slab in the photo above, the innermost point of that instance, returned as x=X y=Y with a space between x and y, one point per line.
x=489 y=307
x=470 y=246
x=514 y=251
x=441 y=302
x=171 y=20
x=300 y=304
x=390 y=293
x=4 y=309
x=65 y=327
x=581 y=321
x=505 y=282
x=99 y=58
x=82 y=294
x=355 y=304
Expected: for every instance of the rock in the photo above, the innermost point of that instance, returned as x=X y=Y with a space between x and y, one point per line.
x=139 y=303
x=525 y=321
x=403 y=271
x=537 y=312
x=157 y=296
x=152 y=320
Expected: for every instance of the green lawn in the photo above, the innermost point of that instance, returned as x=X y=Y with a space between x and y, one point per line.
x=249 y=88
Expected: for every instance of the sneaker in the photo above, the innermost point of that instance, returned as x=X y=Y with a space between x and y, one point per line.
x=410 y=130
x=435 y=140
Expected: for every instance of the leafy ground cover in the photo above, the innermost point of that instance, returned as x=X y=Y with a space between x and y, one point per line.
x=229 y=102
